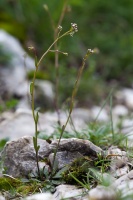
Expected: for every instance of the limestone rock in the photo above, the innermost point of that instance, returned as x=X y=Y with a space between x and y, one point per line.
x=125 y=96
x=125 y=178
x=64 y=158
x=70 y=149
x=19 y=156
x=85 y=147
x=102 y=193
x=2 y=198
x=119 y=111
x=69 y=191
x=119 y=161
x=41 y=196
x=126 y=189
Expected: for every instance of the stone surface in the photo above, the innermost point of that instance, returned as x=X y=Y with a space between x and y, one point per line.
x=125 y=96
x=62 y=191
x=126 y=189
x=64 y=158
x=70 y=149
x=19 y=156
x=119 y=161
x=71 y=192
x=119 y=111
x=102 y=193
x=2 y=198
x=123 y=179
x=85 y=147
x=41 y=196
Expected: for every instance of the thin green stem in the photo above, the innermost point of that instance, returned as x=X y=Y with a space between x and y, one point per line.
x=35 y=121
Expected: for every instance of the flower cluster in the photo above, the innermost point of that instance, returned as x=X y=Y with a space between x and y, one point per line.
x=74 y=28
x=60 y=28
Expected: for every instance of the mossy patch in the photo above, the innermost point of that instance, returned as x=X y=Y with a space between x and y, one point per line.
x=8 y=183
x=18 y=186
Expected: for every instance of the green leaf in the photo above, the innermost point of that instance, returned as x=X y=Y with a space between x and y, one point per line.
x=38 y=147
x=58 y=175
x=31 y=88
x=35 y=143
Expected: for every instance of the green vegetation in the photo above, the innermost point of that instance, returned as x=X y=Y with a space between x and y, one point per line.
x=106 y=25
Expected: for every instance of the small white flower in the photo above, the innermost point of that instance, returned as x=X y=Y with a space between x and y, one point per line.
x=59 y=28
x=74 y=28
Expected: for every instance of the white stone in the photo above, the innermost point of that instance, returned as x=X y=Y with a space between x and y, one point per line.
x=119 y=111
x=125 y=95
x=69 y=191
x=126 y=188
x=40 y=196
x=121 y=171
x=99 y=113
x=102 y=193
x=123 y=179
x=2 y=198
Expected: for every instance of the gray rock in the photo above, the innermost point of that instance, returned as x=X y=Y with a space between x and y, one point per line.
x=70 y=149
x=85 y=147
x=64 y=158
x=18 y=157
